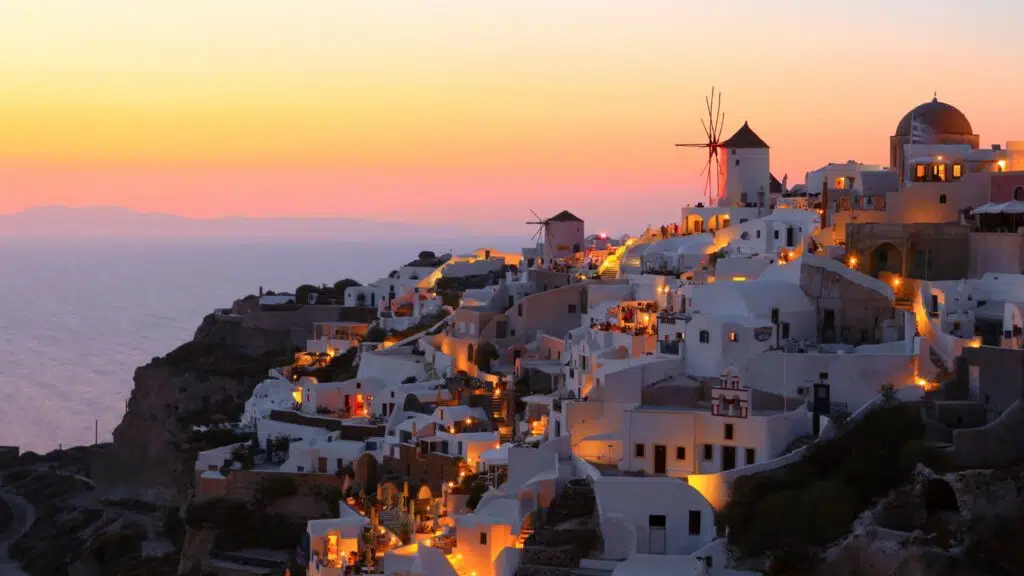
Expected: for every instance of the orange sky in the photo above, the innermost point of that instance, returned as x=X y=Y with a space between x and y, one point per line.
x=453 y=108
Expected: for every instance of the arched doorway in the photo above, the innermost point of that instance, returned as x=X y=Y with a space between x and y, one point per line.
x=886 y=257
x=365 y=469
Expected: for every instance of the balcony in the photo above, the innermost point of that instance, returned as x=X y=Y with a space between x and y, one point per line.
x=672 y=347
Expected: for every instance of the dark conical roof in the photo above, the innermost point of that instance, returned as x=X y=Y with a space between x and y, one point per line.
x=940 y=117
x=745 y=138
x=565 y=216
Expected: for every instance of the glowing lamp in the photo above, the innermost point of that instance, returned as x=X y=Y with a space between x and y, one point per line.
x=896 y=282
x=853 y=261
x=1002 y=165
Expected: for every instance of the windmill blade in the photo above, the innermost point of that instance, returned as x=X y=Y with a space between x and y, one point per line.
x=535 y=215
x=693 y=145
x=707 y=166
x=718 y=114
x=707 y=131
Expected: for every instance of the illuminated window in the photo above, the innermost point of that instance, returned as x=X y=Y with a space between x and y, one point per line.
x=919 y=172
x=940 y=172
x=958 y=171
x=733 y=337
x=840 y=183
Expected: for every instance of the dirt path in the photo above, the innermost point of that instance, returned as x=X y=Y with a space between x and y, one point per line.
x=23 y=514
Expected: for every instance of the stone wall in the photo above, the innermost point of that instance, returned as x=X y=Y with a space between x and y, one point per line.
x=243 y=485
x=431 y=468
x=1000 y=443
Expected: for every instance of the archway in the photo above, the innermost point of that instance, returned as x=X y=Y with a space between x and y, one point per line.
x=719 y=221
x=390 y=493
x=694 y=224
x=939 y=496
x=886 y=257
x=365 y=469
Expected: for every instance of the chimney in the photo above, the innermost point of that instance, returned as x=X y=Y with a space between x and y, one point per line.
x=261 y=291
x=824 y=204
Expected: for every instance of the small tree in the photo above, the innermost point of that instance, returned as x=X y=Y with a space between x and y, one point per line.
x=485 y=353
x=375 y=334
x=427 y=255
x=344 y=283
x=302 y=293
x=889 y=394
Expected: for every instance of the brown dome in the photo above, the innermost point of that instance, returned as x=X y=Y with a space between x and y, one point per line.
x=940 y=117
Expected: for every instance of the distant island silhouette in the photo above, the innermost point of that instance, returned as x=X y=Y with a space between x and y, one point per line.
x=118 y=222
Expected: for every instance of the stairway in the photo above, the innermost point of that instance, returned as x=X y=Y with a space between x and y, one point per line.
x=566 y=533
x=393 y=519
x=631 y=262
x=798 y=443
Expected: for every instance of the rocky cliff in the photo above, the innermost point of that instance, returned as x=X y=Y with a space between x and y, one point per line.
x=203 y=382
x=115 y=509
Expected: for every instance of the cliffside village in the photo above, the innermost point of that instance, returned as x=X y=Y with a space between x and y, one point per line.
x=585 y=406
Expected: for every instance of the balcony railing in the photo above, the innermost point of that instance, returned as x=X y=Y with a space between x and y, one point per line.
x=672 y=347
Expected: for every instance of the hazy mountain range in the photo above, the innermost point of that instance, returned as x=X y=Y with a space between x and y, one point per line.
x=116 y=222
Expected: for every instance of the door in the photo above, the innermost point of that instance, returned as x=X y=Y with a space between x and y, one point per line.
x=322 y=465
x=728 y=457
x=790 y=241
x=656 y=534
x=828 y=327
x=659 y=459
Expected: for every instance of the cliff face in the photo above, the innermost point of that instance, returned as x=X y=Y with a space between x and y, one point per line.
x=203 y=382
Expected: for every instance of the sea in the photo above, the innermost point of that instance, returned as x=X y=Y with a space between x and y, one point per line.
x=77 y=317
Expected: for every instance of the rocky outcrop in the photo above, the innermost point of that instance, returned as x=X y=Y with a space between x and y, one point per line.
x=204 y=382
x=948 y=525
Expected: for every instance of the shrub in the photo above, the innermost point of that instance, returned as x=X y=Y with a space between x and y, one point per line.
x=485 y=353
x=813 y=502
x=375 y=334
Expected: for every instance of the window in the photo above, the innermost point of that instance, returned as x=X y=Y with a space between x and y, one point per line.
x=759 y=234
x=705 y=337
x=638 y=450
x=680 y=453
x=737 y=161
x=775 y=315
x=656 y=521
x=733 y=337
x=572 y=308
x=785 y=329
x=958 y=171
x=483 y=538
x=694 y=522
x=942 y=198
x=939 y=170
x=919 y=172
x=1018 y=193
x=519 y=309
x=776 y=234
x=709 y=452
x=840 y=183
x=751 y=453
x=728 y=431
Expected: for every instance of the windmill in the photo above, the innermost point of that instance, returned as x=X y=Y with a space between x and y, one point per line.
x=542 y=230
x=713 y=133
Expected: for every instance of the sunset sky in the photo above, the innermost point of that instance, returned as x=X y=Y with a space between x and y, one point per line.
x=446 y=109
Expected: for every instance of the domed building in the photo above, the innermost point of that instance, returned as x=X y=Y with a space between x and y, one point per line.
x=937 y=123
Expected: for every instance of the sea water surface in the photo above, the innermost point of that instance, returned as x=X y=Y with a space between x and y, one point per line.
x=77 y=318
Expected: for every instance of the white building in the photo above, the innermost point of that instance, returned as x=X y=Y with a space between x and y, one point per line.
x=744 y=167
x=641 y=515
x=563 y=236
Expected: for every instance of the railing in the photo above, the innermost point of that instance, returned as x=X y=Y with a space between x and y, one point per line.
x=672 y=347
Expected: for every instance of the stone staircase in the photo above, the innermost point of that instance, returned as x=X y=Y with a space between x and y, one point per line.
x=565 y=533
x=393 y=519
x=798 y=443
x=506 y=431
